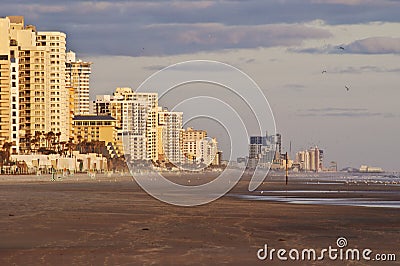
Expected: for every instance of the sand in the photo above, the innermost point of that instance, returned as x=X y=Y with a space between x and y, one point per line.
x=111 y=221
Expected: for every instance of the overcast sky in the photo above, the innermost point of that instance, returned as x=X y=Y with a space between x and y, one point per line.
x=284 y=46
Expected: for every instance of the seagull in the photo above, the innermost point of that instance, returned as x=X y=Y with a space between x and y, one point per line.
x=347 y=88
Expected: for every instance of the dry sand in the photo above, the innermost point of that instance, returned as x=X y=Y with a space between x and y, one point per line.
x=111 y=221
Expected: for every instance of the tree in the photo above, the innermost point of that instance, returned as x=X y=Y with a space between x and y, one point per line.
x=6 y=151
x=58 y=134
x=36 y=140
x=27 y=140
x=49 y=139
x=70 y=146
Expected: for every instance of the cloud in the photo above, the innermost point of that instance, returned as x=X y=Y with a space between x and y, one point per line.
x=364 y=69
x=154 y=67
x=374 y=45
x=343 y=112
x=170 y=39
x=124 y=27
x=294 y=87
x=354 y=2
x=371 y=45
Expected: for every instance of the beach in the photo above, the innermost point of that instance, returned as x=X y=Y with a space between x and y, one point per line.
x=110 y=220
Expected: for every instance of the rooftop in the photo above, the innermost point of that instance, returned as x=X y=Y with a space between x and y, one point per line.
x=94 y=117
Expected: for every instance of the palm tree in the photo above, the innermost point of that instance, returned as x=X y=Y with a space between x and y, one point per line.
x=58 y=134
x=27 y=140
x=37 y=139
x=63 y=150
x=49 y=139
x=70 y=146
x=79 y=143
x=6 y=150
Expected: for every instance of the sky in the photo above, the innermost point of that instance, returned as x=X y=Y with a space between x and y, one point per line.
x=291 y=49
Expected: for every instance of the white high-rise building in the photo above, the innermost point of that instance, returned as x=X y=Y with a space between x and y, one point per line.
x=77 y=76
x=136 y=115
x=207 y=149
x=171 y=127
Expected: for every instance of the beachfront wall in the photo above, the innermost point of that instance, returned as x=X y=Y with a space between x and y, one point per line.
x=78 y=162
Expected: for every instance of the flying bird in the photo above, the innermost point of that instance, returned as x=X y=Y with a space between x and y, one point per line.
x=347 y=88
x=323 y=71
x=341 y=47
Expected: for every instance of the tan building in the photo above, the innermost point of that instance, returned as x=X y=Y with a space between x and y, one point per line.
x=189 y=140
x=94 y=128
x=57 y=98
x=34 y=99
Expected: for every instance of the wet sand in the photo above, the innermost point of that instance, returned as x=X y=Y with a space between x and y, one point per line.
x=111 y=221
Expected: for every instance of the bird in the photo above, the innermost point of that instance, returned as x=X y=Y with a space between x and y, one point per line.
x=323 y=71
x=341 y=47
x=347 y=88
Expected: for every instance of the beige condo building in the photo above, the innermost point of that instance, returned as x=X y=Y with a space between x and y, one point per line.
x=34 y=98
x=189 y=141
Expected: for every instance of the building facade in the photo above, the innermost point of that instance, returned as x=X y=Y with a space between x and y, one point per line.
x=78 y=77
x=94 y=128
x=189 y=141
x=34 y=98
x=171 y=127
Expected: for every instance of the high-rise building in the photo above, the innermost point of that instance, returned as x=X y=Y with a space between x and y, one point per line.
x=5 y=81
x=262 y=150
x=310 y=160
x=77 y=76
x=34 y=99
x=57 y=99
x=136 y=117
x=207 y=149
x=171 y=124
x=189 y=140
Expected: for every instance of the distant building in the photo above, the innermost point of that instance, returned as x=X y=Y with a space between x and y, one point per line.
x=310 y=160
x=170 y=124
x=190 y=138
x=77 y=77
x=370 y=169
x=262 y=150
x=207 y=150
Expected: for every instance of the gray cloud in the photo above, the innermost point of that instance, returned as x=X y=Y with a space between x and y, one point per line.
x=372 y=45
x=154 y=67
x=294 y=87
x=364 y=69
x=126 y=27
x=343 y=112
